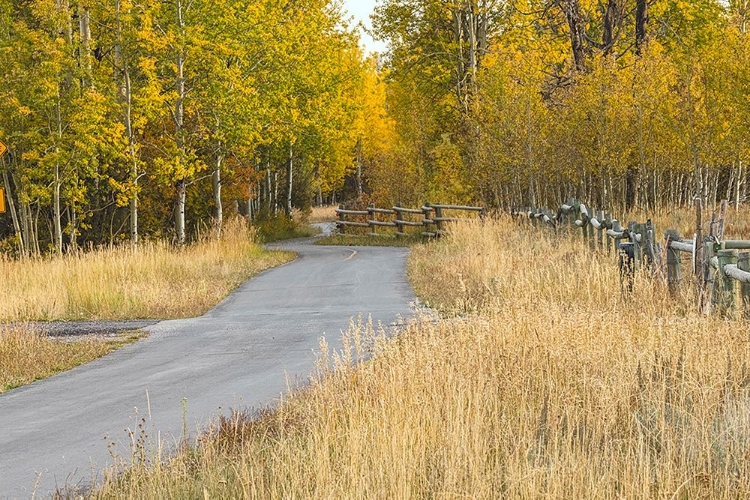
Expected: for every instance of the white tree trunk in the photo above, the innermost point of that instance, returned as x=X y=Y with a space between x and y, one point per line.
x=179 y=212
x=13 y=213
x=216 y=182
x=57 y=183
x=126 y=95
x=179 y=117
x=289 y=172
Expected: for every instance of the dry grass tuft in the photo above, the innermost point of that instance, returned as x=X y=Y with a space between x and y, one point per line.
x=27 y=355
x=154 y=280
x=546 y=382
x=326 y=213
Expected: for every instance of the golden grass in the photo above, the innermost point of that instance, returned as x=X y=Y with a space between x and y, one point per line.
x=151 y=281
x=27 y=355
x=549 y=384
x=326 y=213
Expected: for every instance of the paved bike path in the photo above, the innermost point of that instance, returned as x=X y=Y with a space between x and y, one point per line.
x=240 y=354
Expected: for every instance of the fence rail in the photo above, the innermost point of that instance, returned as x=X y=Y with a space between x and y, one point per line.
x=717 y=264
x=431 y=218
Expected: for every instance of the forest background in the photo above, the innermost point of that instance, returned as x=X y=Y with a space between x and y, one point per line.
x=130 y=119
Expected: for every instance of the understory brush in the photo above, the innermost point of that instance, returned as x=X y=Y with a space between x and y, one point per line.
x=281 y=227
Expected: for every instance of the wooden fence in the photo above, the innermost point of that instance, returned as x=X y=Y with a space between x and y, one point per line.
x=717 y=265
x=431 y=218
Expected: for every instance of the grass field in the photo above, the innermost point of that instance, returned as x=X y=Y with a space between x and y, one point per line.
x=153 y=281
x=542 y=381
x=27 y=355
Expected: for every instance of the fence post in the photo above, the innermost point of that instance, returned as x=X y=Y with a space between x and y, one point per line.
x=427 y=209
x=634 y=230
x=627 y=262
x=651 y=253
x=617 y=227
x=674 y=264
x=342 y=218
x=709 y=277
x=726 y=300
x=600 y=231
x=700 y=275
x=438 y=223
x=574 y=213
x=585 y=220
x=399 y=217
x=371 y=219
x=609 y=240
x=743 y=264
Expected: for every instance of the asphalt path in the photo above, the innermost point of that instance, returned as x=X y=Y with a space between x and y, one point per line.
x=241 y=354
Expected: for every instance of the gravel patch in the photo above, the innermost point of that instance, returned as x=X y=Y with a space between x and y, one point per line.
x=79 y=328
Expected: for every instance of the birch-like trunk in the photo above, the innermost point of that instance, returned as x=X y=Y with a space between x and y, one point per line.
x=57 y=183
x=13 y=213
x=289 y=175
x=275 y=193
x=216 y=183
x=738 y=186
x=179 y=211
x=73 y=223
x=84 y=28
x=268 y=190
x=179 y=118
x=24 y=219
x=126 y=95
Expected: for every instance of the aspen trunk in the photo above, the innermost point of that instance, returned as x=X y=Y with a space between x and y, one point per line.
x=73 y=222
x=216 y=184
x=275 y=194
x=126 y=95
x=289 y=173
x=179 y=213
x=179 y=117
x=13 y=213
x=57 y=183
x=268 y=189
x=24 y=220
x=84 y=28
x=738 y=186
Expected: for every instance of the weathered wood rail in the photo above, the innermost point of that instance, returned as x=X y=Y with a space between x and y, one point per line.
x=717 y=265
x=431 y=218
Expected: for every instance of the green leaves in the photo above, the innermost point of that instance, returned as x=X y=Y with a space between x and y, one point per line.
x=106 y=102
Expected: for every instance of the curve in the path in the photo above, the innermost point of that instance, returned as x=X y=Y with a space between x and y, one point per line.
x=240 y=354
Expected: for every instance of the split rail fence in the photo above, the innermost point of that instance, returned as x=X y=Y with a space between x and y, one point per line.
x=432 y=219
x=717 y=265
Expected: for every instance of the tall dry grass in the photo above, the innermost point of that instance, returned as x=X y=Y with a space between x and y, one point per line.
x=154 y=280
x=546 y=382
x=325 y=213
x=27 y=355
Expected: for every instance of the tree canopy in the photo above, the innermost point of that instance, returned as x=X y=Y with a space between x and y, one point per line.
x=154 y=118
x=526 y=102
